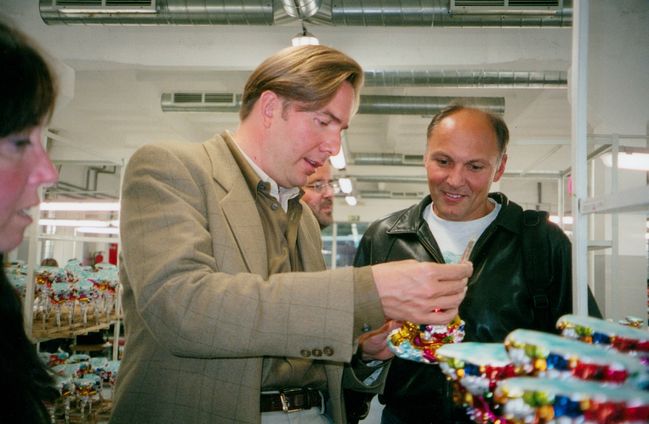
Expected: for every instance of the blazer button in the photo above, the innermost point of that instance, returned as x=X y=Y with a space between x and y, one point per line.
x=316 y=352
x=305 y=353
x=328 y=351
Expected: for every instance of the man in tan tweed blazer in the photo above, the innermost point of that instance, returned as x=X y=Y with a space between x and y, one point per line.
x=230 y=316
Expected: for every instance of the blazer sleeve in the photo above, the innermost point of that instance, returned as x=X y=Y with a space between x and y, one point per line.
x=193 y=308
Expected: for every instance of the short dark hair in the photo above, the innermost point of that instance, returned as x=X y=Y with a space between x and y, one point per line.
x=309 y=74
x=27 y=87
x=497 y=123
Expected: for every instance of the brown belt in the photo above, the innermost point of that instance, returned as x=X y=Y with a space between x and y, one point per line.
x=290 y=400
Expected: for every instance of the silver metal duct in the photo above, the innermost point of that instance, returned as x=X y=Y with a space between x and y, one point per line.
x=383 y=194
x=301 y=9
x=425 y=105
x=436 y=13
x=166 y=12
x=449 y=13
x=378 y=105
x=416 y=179
x=467 y=78
x=387 y=159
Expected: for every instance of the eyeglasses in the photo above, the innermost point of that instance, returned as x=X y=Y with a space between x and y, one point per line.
x=321 y=186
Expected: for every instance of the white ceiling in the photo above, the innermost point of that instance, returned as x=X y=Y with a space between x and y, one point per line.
x=114 y=75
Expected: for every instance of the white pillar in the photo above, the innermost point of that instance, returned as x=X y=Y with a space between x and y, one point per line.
x=618 y=96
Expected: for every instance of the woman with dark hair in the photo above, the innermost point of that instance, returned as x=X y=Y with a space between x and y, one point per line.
x=27 y=95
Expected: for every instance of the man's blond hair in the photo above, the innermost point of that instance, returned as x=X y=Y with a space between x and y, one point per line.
x=310 y=75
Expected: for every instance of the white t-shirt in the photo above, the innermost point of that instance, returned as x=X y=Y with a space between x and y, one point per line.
x=453 y=236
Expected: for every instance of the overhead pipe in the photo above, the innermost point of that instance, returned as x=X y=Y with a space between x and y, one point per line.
x=436 y=13
x=384 y=194
x=421 y=179
x=301 y=9
x=425 y=105
x=369 y=104
x=466 y=78
x=167 y=12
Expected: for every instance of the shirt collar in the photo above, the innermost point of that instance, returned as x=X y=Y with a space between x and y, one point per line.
x=281 y=194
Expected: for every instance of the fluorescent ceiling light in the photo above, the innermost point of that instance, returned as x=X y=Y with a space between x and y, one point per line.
x=567 y=219
x=77 y=223
x=98 y=230
x=351 y=200
x=635 y=161
x=338 y=161
x=345 y=185
x=79 y=206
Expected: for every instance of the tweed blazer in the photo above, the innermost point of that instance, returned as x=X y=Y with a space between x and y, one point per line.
x=201 y=311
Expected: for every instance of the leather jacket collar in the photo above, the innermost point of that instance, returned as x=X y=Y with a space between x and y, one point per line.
x=411 y=220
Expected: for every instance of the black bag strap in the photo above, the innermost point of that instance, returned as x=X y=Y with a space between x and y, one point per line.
x=536 y=269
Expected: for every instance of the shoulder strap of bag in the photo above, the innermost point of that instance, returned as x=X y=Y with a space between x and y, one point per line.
x=536 y=257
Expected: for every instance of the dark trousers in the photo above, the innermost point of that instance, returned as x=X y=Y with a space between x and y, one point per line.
x=412 y=416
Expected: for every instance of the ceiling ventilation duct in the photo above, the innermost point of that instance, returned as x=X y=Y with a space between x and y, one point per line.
x=378 y=105
x=378 y=194
x=301 y=9
x=389 y=159
x=467 y=78
x=435 y=13
x=165 y=12
x=425 y=105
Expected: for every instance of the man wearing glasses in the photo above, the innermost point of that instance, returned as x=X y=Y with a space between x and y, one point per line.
x=319 y=195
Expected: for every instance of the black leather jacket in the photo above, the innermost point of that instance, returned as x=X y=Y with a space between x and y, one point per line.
x=497 y=301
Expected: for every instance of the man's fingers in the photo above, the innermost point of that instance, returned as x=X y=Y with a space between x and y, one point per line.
x=450 y=271
x=441 y=317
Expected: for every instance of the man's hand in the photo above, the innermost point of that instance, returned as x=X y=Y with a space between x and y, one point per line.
x=421 y=292
x=374 y=345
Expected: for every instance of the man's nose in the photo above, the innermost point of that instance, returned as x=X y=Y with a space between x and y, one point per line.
x=332 y=144
x=456 y=176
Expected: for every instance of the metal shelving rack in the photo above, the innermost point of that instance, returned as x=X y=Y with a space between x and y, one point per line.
x=71 y=332
x=631 y=200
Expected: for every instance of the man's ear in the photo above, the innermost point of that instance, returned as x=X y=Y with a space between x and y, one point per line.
x=268 y=102
x=501 y=168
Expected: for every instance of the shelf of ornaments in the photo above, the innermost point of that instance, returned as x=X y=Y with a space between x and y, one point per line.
x=69 y=301
x=72 y=301
x=48 y=329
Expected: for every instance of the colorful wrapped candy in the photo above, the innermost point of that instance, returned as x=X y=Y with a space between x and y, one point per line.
x=543 y=400
x=419 y=342
x=622 y=338
x=549 y=355
x=476 y=369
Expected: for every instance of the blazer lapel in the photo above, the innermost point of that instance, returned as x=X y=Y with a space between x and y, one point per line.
x=239 y=208
x=310 y=245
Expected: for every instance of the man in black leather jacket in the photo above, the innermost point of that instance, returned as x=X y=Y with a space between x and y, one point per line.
x=466 y=152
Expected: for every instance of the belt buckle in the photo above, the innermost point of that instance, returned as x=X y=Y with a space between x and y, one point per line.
x=286 y=405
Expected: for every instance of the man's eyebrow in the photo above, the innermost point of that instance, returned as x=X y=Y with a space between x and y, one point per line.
x=332 y=116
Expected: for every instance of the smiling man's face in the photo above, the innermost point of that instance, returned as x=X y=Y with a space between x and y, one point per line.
x=462 y=160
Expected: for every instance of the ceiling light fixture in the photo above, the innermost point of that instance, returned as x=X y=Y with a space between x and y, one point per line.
x=98 y=230
x=567 y=219
x=351 y=200
x=304 y=38
x=635 y=161
x=76 y=223
x=79 y=206
x=338 y=161
x=345 y=185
